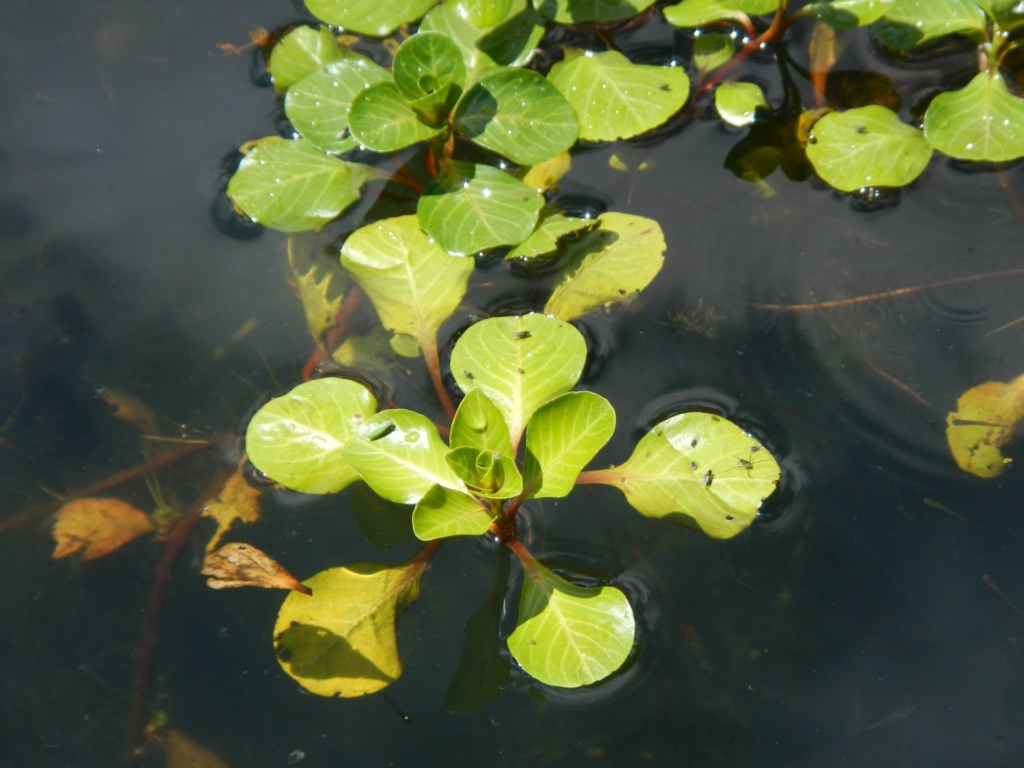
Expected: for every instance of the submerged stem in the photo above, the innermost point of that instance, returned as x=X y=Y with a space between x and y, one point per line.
x=434 y=367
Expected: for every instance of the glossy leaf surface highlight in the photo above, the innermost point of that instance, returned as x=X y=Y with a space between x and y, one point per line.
x=381 y=120
x=482 y=13
x=376 y=18
x=615 y=98
x=737 y=103
x=442 y=513
x=298 y=439
x=302 y=52
x=911 y=22
x=982 y=121
x=984 y=421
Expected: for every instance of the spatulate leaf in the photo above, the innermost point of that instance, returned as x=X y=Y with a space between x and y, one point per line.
x=430 y=74
x=443 y=512
x=302 y=52
x=376 y=18
x=982 y=121
x=909 y=22
x=381 y=120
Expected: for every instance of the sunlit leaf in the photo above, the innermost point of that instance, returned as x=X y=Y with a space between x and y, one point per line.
x=302 y=52
x=381 y=120
x=482 y=13
x=697 y=469
x=413 y=284
x=712 y=50
x=181 y=752
x=983 y=423
x=376 y=18
x=429 y=74
x=567 y=635
x=298 y=439
x=737 y=103
x=867 y=147
x=242 y=565
x=384 y=523
x=519 y=363
x=489 y=474
x=982 y=121
x=318 y=105
x=752 y=7
x=463 y=34
x=544 y=240
x=321 y=285
x=546 y=175
x=292 y=186
x=697 y=13
x=518 y=114
x=611 y=264
x=92 y=528
x=561 y=439
x=400 y=455
x=443 y=512
x=340 y=641
x=512 y=42
x=615 y=98
x=912 y=22
x=849 y=13
x=479 y=424
x=470 y=208
x=579 y=11
x=237 y=502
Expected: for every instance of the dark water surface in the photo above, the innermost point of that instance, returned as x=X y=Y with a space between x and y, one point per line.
x=852 y=627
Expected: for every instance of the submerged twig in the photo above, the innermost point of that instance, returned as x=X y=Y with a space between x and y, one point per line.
x=943 y=508
x=995 y=588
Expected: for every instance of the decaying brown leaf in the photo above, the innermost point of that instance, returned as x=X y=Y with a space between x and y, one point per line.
x=985 y=418
x=242 y=565
x=181 y=752
x=96 y=527
x=130 y=410
x=237 y=501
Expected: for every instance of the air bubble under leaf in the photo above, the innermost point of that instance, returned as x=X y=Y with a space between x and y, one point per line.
x=982 y=121
x=984 y=421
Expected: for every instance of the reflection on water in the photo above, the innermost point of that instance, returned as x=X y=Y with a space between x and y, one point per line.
x=852 y=626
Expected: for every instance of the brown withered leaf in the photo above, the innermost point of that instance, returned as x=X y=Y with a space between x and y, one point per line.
x=181 y=752
x=984 y=421
x=237 y=500
x=242 y=565
x=96 y=527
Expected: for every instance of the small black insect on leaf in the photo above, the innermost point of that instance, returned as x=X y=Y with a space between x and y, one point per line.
x=521 y=335
x=468 y=374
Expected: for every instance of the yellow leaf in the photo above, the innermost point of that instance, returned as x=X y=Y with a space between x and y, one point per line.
x=242 y=565
x=983 y=423
x=181 y=752
x=96 y=527
x=545 y=176
x=321 y=285
x=341 y=641
x=237 y=500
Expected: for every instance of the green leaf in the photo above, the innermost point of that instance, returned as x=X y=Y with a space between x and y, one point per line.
x=561 y=439
x=488 y=474
x=400 y=455
x=340 y=641
x=620 y=258
x=482 y=13
x=479 y=424
x=911 y=22
x=384 y=523
x=567 y=635
x=712 y=50
x=430 y=75
x=519 y=363
x=469 y=208
x=982 y=121
x=445 y=20
x=697 y=469
x=752 y=7
x=544 y=240
x=321 y=285
x=512 y=42
x=302 y=52
x=849 y=13
x=697 y=13
x=867 y=147
x=518 y=114
x=292 y=186
x=442 y=513
x=318 y=105
x=381 y=120
x=376 y=18
x=615 y=98
x=413 y=284
x=602 y=11
x=298 y=439
x=737 y=103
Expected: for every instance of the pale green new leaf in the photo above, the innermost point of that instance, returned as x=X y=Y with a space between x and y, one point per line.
x=381 y=120
x=469 y=208
x=400 y=455
x=488 y=474
x=413 y=284
x=561 y=439
x=615 y=98
x=302 y=52
x=697 y=13
x=867 y=147
x=603 y=11
x=518 y=114
x=479 y=424
x=430 y=74
x=318 y=105
x=611 y=264
x=519 y=363
x=376 y=18
x=544 y=240
x=913 y=22
x=982 y=121
x=711 y=50
x=849 y=13
x=298 y=439
x=737 y=103
x=292 y=186
x=570 y=636
x=443 y=512
x=697 y=469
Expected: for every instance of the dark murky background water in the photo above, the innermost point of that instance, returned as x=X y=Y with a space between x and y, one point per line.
x=855 y=602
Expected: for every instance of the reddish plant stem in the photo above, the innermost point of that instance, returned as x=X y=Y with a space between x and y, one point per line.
x=592 y=477
x=520 y=550
x=434 y=366
x=176 y=540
